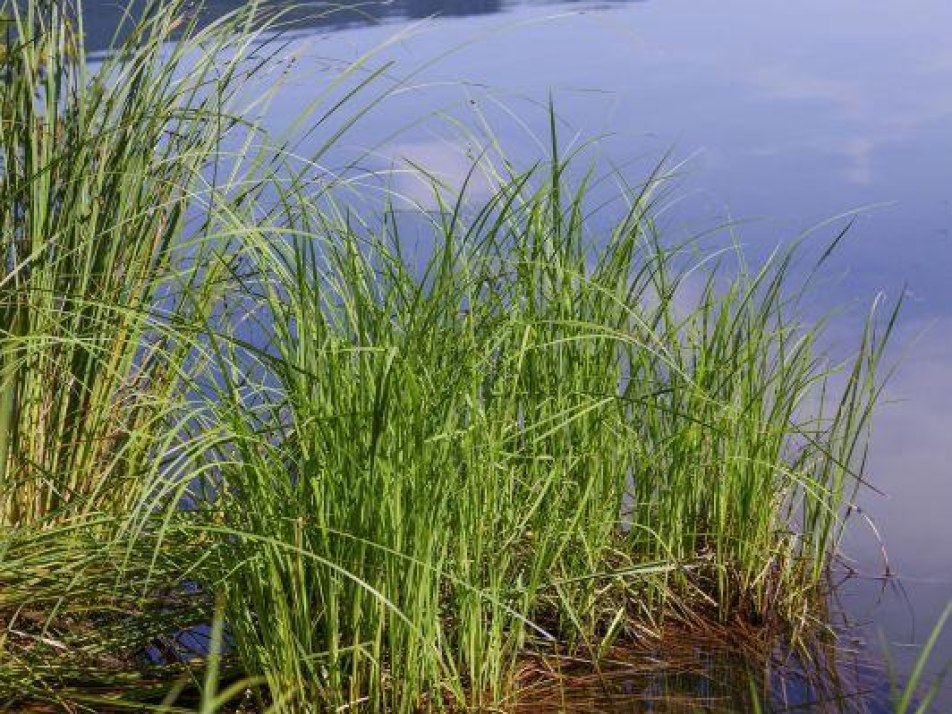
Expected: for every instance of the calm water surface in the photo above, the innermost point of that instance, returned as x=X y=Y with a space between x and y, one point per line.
x=789 y=114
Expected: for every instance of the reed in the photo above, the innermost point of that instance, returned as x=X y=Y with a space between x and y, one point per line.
x=395 y=472
x=522 y=438
x=99 y=171
x=106 y=173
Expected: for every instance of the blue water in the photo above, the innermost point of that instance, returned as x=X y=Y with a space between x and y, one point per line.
x=785 y=115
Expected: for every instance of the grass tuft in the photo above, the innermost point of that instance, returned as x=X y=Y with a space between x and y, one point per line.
x=386 y=477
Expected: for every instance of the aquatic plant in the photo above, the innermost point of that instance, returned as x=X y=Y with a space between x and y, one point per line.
x=104 y=176
x=97 y=177
x=906 y=696
x=396 y=473
x=522 y=438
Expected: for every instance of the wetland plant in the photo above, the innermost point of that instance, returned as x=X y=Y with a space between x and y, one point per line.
x=398 y=473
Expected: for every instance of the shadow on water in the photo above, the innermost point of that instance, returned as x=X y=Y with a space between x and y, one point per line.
x=695 y=668
x=101 y=16
x=842 y=667
x=714 y=673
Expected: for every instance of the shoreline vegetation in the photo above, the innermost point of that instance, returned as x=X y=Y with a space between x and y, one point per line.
x=257 y=454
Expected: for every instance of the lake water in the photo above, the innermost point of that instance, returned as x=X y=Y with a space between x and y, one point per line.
x=788 y=114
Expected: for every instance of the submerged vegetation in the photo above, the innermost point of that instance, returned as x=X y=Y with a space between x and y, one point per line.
x=391 y=477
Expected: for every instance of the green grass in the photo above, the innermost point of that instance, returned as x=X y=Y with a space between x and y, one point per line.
x=393 y=473
x=905 y=697
x=527 y=439
x=98 y=174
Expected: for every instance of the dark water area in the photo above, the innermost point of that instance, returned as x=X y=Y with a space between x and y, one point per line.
x=786 y=116
x=100 y=15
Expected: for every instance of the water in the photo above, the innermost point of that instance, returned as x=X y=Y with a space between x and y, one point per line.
x=789 y=114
